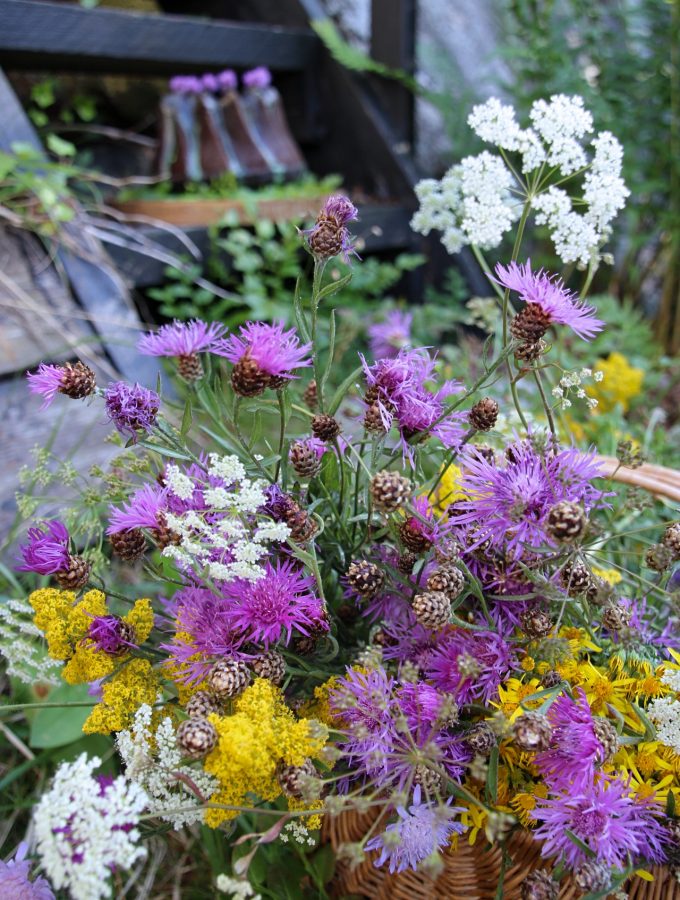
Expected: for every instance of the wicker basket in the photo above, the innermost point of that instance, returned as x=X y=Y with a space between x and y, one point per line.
x=473 y=872
x=469 y=873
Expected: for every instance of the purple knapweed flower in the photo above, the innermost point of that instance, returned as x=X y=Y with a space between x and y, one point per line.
x=614 y=826
x=559 y=306
x=131 y=407
x=181 y=338
x=204 y=634
x=470 y=665
x=111 y=635
x=422 y=705
x=364 y=699
x=46 y=382
x=47 y=550
x=75 y=380
x=509 y=502
x=420 y=831
x=263 y=355
x=402 y=397
x=329 y=236
x=15 y=883
x=269 y=609
x=210 y=83
x=259 y=77
x=142 y=510
x=388 y=337
x=575 y=749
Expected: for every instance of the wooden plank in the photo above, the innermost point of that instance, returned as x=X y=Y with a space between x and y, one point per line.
x=393 y=30
x=101 y=292
x=40 y=35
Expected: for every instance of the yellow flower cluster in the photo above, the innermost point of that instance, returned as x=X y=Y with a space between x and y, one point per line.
x=620 y=384
x=133 y=685
x=66 y=623
x=448 y=490
x=261 y=733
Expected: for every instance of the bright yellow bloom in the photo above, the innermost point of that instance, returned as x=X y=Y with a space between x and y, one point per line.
x=524 y=802
x=620 y=384
x=132 y=685
x=320 y=707
x=513 y=693
x=66 y=625
x=448 y=490
x=261 y=733
x=611 y=576
x=528 y=663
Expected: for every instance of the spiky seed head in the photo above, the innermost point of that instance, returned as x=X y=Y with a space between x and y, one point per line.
x=248 y=379
x=324 y=427
x=592 y=877
x=615 y=617
x=536 y=623
x=432 y=609
x=201 y=704
x=530 y=351
x=576 y=577
x=390 y=491
x=228 y=678
x=566 y=521
x=311 y=395
x=304 y=460
x=294 y=780
x=539 y=885
x=532 y=732
x=76 y=575
x=77 y=380
x=190 y=367
x=373 y=420
x=484 y=414
x=658 y=557
x=196 y=737
x=129 y=545
x=608 y=736
x=481 y=738
x=365 y=577
x=413 y=537
x=271 y=665
x=529 y=325
x=671 y=539
x=431 y=781
x=448 y=579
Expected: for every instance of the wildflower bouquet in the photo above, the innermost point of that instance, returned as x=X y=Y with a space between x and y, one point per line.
x=396 y=595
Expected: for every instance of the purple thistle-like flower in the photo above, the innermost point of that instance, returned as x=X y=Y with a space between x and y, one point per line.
x=259 y=77
x=340 y=208
x=47 y=550
x=470 y=664
x=141 y=510
x=390 y=336
x=186 y=84
x=509 y=503
x=210 y=83
x=205 y=634
x=365 y=699
x=330 y=236
x=574 y=748
x=422 y=705
x=549 y=293
x=46 y=382
x=15 y=883
x=420 y=831
x=613 y=825
x=404 y=398
x=282 y=600
x=276 y=351
x=181 y=338
x=314 y=444
x=131 y=407
x=110 y=635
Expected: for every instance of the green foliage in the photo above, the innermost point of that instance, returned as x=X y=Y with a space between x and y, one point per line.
x=50 y=104
x=226 y=187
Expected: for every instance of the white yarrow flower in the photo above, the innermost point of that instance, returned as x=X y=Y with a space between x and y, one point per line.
x=85 y=828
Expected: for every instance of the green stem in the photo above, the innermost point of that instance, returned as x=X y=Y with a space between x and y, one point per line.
x=282 y=431
x=319 y=266
x=546 y=405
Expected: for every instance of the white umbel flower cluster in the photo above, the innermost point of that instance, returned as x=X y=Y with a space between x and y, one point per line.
x=153 y=761
x=665 y=712
x=572 y=383
x=478 y=200
x=22 y=645
x=237 y=888
x=85 y=828
x=228 y=539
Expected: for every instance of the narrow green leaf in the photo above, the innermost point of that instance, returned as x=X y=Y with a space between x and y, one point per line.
x=670 y=805
x=300 y=318
x=492 y=777
x=187 y=419
x=331 y=351
x=342 y=390
x=334 y=286
x=163 y=451
x=579 y=843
